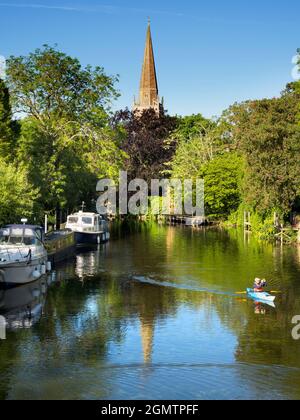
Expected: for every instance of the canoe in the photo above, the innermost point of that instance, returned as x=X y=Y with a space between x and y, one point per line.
x=262 y=296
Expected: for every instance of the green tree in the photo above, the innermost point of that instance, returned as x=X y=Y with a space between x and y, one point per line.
x=267 y=134
x=66 y=142
x=205 y=153
x=222 y=177
x=55 y=166
x=17 y=198
x=191 y=126
x=196 y=149
x=297 y=84
x=6 y=128
x=49 y=85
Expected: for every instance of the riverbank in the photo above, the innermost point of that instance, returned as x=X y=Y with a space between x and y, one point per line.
x=262 y=230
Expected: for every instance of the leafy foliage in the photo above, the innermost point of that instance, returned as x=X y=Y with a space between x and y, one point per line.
x=55 y=167
x=194 y=151
x=266 y=133
x=48 y=85
x=66 y=142
x=191 y=126
x=7 y=135
x=297 y=84
x=222 y=177
x=205 y=154
x=143 y=141
x=18 y=197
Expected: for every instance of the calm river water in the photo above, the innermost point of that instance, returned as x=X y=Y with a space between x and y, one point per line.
x=154 y=315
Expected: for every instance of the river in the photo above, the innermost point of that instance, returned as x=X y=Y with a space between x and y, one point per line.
x=154 y=315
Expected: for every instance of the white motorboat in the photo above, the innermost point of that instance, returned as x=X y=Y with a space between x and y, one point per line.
x=23 y=257
x=89 y=228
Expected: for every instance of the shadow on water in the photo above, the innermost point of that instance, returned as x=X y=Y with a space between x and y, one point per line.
x=153 y=314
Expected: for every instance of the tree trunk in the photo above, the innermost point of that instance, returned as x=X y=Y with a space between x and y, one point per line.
x=58 y=216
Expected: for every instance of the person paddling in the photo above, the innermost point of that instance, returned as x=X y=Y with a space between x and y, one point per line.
x=259 y=285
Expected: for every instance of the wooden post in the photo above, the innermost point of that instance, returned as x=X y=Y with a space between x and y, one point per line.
x=247 y=221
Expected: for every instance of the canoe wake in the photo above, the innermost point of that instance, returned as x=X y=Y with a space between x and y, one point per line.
x=189 y=288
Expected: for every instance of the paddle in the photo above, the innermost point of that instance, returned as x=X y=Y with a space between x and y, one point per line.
x=245 y=293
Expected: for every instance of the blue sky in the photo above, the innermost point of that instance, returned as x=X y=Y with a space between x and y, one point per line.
x=208 y=54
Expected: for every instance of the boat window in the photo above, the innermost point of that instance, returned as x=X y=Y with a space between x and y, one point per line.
x=87 y=220
x=30 y=240
x=16 y=232
x=18 y=236
x=38 y=234
x=4 y=236
x=73 y=220
x=15 y=240
x=30 y=236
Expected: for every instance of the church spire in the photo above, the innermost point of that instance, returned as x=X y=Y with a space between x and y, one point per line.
x=148 y=97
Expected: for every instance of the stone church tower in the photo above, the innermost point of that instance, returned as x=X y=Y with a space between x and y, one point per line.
x=148 y=97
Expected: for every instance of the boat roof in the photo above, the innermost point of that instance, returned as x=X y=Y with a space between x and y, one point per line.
x=33 y=227
x=83 y=214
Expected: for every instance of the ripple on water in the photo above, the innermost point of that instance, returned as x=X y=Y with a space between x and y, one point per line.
x=166 y=381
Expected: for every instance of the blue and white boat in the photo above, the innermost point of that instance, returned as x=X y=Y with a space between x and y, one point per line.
x=260 y=296
x=89 y=228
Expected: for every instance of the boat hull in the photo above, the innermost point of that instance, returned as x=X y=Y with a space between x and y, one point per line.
x=61 y=245
x=22 y=273
x=262 y=297
x=93 y=238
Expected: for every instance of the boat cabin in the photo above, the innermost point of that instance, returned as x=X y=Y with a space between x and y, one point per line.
x=85 y=222
x=18 y=235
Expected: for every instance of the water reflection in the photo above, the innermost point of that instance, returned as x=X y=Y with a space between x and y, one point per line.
x=88 y=260
x=22 y=306
x=155 y=315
